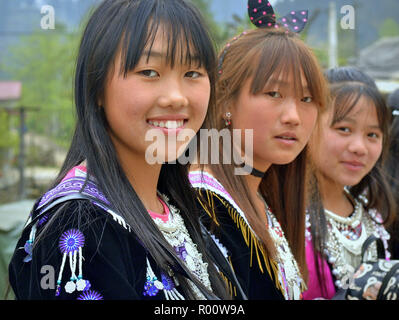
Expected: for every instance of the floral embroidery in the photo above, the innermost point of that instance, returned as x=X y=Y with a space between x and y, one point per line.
x=71 y=241
x=90 y=295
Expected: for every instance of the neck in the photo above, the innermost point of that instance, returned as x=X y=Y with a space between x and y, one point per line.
x=253 y=183
x=144 y=179
x=334 y=198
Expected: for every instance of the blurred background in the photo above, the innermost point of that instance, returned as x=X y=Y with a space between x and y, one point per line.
x=37 y=68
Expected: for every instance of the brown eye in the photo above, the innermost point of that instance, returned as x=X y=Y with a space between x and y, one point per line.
x=373 y=135
x=193 y=74
x=307 y=99
x=344 y=129
x=149 y=73
x=274 y=94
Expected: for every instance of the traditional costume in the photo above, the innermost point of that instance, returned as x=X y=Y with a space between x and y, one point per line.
x=90 y=253
x=345 y=237
x=261 y=277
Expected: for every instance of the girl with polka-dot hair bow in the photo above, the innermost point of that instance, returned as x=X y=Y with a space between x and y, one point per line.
x=271 y=84
x=116 y=224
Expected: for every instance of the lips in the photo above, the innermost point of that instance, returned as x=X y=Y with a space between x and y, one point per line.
x=287 y=136
x=353 y=165
x=169 y=124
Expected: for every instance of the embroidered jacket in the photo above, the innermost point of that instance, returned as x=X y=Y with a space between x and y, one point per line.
x=258 y=274
x=89 y=253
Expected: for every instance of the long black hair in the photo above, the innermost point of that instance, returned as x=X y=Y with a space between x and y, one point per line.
x=130 y=26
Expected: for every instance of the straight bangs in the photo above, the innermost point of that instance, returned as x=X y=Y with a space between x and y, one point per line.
x=187 y=42
x=345 y=96
x=279 y=55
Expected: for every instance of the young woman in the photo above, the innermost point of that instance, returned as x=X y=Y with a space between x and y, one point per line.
x=270 y=83
x=352 y=199
x=144 y=66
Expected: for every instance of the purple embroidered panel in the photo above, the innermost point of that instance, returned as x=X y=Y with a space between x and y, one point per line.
x=208 y=181
x=70 y=186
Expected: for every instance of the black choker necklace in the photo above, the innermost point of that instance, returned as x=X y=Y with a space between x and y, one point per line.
x=257 y=173
x=253 y=171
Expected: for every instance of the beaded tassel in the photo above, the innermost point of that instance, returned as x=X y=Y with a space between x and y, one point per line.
x=167 y=285
x=29 y=243
x=71 y=243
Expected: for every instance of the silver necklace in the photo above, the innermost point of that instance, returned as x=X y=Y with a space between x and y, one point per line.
x=344 y=254
x=176 y=234
x=289 y=274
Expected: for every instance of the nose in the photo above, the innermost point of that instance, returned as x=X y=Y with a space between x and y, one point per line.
x=173 y=95
x=290 y=115
x=357 y=145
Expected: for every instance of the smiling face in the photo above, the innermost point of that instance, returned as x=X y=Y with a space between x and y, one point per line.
x=157 y=96
x=282 y=121
x=347 y=150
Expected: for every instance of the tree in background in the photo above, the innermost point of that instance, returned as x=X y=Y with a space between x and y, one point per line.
x=8 y=140
x=217 y=30
x=389 y=28
x=44 y=63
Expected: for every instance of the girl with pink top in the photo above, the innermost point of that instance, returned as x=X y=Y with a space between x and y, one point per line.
x=351 y=200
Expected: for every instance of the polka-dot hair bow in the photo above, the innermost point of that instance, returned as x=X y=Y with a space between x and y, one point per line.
x=261 y=14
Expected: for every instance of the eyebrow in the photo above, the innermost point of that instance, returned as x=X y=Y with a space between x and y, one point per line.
x=351 y=120
x=160 y=55
x=154 y=54
x=283 y=84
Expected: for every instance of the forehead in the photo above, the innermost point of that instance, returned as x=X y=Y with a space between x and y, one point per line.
x=281 y=76
x=288 y=79
x=172 y=49
x=363 y=111
x=364 y=107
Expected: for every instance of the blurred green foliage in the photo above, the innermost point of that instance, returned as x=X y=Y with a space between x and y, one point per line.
x=389 y=28
x=8 y=139
x=44 y=63
x=221 y=31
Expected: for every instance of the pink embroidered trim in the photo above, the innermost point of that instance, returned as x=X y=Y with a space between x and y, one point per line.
x=78 y=171
x=81 y=171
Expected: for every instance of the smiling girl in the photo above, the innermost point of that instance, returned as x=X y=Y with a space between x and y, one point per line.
x=352 y=199
x=128 y=229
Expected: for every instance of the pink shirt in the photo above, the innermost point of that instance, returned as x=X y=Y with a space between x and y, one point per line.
x=163 y=216
x=314 y=289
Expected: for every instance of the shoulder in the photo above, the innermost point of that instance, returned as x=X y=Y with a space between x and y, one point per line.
x=85 y=247
x=208 y=186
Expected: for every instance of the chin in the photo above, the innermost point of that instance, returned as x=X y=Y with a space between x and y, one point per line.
x=284 y=160
x=351 y=183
